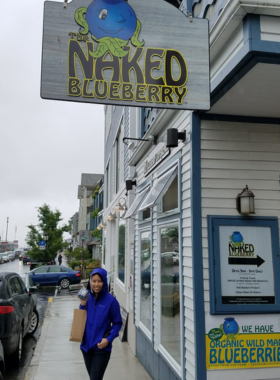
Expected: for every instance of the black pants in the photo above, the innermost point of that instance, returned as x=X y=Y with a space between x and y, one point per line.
x=96 y=363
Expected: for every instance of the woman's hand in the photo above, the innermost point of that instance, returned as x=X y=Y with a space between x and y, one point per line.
x=84 y=302
x=104 y=343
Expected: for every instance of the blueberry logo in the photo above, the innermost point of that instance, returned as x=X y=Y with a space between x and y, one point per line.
x=112 y=23
x=230 y=328
x=236 y=238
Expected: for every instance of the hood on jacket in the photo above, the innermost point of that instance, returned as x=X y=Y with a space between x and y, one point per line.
x=103 y=273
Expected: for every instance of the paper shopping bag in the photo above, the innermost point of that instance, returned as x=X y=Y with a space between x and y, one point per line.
x=78 y=325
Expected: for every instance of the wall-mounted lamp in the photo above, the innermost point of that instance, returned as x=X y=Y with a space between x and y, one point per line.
x=129 y=184
x=173 y=136
x=131 y=145
x=120 y=206
x=112 y=216
x=245 y=203
x=103 y=223
x=99 y=227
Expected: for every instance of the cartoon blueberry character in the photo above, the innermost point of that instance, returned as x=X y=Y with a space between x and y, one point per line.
x=230 y=326
x=237 y=237
x=111 y=18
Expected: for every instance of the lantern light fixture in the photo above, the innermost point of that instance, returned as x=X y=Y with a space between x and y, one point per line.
x=112 y=216
x=120 y=206
x=245 y=203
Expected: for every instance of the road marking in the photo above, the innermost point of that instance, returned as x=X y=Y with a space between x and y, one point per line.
x=50 y=299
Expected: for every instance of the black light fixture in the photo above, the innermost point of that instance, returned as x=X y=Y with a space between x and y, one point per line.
x=129 y=184
x=173 y=136
x=245 y=203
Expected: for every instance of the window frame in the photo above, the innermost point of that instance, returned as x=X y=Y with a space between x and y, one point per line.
x=168 y=174
x=121 y=222
x=174 y=222
x=141 y=325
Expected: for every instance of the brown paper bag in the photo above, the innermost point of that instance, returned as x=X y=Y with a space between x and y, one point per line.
x=78 y=325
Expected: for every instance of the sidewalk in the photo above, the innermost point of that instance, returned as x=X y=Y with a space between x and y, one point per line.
x=57 y=358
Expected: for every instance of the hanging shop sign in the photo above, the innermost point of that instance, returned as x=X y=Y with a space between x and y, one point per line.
x=138 y=53
x=236 y=342
x=244 y=256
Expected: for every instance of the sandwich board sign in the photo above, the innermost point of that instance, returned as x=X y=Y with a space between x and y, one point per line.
x=138 y=53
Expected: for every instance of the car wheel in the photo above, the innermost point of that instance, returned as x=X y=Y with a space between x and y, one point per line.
x=64 y=283
x=18 y=353
x=33 y=322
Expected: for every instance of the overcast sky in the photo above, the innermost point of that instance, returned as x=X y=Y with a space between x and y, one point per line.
x=45 y=144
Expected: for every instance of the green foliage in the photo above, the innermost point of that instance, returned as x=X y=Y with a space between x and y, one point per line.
x=95 y=192
x=80 y=254
x=75 y=264
x=95 y=213
x=96 y=233
x=48 y=223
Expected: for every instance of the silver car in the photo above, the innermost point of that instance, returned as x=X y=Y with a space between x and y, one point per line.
x=11 y=255
x=4 y=256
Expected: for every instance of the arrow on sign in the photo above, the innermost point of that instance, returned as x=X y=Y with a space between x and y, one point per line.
x=241 y=261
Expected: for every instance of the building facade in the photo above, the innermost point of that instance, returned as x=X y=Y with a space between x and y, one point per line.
x=161 y=249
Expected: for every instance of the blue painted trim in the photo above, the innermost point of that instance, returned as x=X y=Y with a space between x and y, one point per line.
x=240 y=119
x=214 y=222
x=196 y=225
x=253 y=52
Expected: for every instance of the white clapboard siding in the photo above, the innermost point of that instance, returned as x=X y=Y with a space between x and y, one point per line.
x=234 y=155
x=187 y=253
x=270 y=28
x=230 y=49
x=137 y=282
x=126 y=150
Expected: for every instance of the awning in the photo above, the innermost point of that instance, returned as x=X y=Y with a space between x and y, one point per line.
x=160 y=187
x=137 y=203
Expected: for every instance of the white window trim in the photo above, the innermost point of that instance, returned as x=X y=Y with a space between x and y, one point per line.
x=168 y=175
x=144 y=193
x=147 y=332
x=177 y=368
x=120 y=283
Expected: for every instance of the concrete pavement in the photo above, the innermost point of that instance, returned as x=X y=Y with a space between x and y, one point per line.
x=57 y=358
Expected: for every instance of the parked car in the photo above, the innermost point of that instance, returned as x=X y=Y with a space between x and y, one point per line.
x=4 y=256
x=17 y=253
x=2 y=362
x=30 y=286
x=55 y=275
x=11 y=255
x=1 y=260
x=25 y=259
x=18 y=314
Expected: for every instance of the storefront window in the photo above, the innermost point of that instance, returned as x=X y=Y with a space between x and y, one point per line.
x=170 y=292
x=145 y=299
x=121 y=258
x=170 y=199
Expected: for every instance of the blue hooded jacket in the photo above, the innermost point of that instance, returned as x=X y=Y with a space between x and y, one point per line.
x=103 y=316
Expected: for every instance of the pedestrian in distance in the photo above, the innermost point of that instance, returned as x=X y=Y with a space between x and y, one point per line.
x=102 y=326
x=59 y=259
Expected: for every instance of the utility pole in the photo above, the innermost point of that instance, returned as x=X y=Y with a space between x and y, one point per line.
x=7 y=228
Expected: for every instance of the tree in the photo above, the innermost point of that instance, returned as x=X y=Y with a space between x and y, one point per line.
x=48 y=224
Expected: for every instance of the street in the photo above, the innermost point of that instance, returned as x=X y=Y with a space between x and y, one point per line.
x=29 y=343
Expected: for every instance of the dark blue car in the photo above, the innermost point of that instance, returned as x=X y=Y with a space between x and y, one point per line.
x=55 y=275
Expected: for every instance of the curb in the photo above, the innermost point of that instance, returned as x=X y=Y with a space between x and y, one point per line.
x=33 y=366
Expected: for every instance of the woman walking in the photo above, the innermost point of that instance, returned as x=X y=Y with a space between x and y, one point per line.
x=103 y=324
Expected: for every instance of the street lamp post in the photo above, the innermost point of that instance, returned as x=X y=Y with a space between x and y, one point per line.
x=46 y=237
